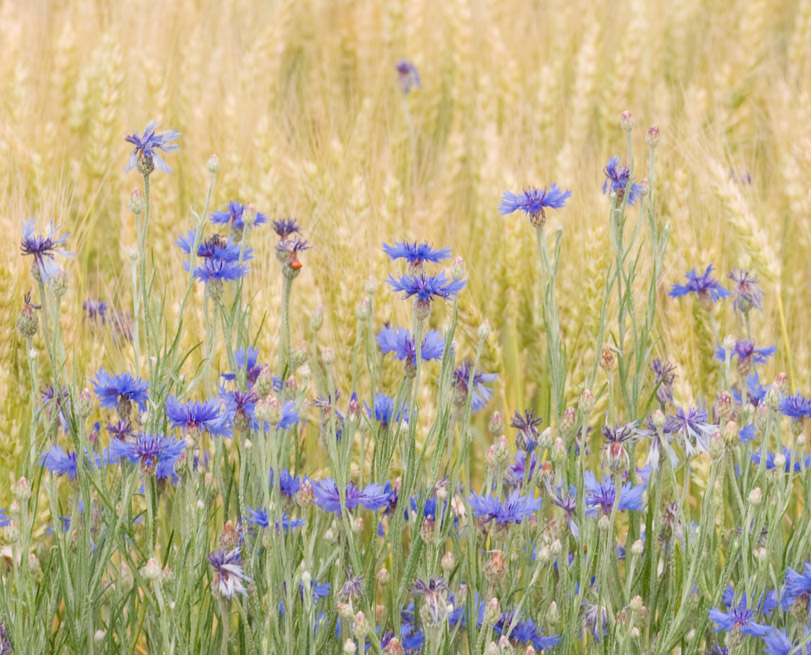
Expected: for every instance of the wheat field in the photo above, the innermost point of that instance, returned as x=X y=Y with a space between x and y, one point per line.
x=300 y=101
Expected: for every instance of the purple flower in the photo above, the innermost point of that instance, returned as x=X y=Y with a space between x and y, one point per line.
x=707 y=288
x=407 y=75
x=328 y=497
x=567 y=502
x=481 y=393
x=229 y=573
x=524 y=632
x=284 y=227
x=217 y=270
x=603 y=495
x=247 y=358
x=798 y=588
x=776 y=642
x=796 y=406
x=60 y=462
x=399 y=341
x=694 y=427
x=426 y=287
x=664 y=380
x=4 y=518
x=384 y=411
x=740 y=619
x=147 y=146
x=794 y=460
x=122 y=430
x=43 y=249
x=155 y=453
x=746 y=352
x=527 y=426
x=288 y=484
x=617 y=178
x=194 y=415
x=748 y=293
x=415 y=253
x=117 y=391
x=233 y=216
x=514 y=509
x=289 y=249
x=261 y=518
x=533 y=202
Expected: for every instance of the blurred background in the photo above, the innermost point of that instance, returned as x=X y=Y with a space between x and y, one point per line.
x=301 y=102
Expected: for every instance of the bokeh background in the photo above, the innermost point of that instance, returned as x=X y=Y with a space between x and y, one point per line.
x=300 y=100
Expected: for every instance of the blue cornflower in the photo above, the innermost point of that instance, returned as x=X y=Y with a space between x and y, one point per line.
x=514 y=509
x=746 y=352
x=766 y=604
x=415 y=253
x=659 y=444
x=798 y=588
x=617 y=178
x=747 y=433
x=288 y=484
x=795 y=406
x=155 y=453
x=665 y=377
x=533 y=202
x=567 y=502
x=748 y=293
x=400 y=342
x=240 y=407
x=218 y=270
x=384 y=411
x=58 y=402
x=260 y=517
x=247 y=359
x=194 y=415
x=287 y=251
x=407 y=75
x=755 y=392
x=694 y=427
x=215 y=247
x=118 y=391
x=480 y=394
x=122 y=430
x=145 y=155
x=4 y=518
x=776 y=642
x=794 y=461
x=739 y=618
x=411 y=639
x=290 y=415
x=519 y=470
x=233 y=216
x=328 y=497
x=60 y=462
x=603 y=495
x=43 y=249
x=527 y=426
x=707 y=288
x=229 y=573
x=284 y=227
x=426 y=287
x=524 y=632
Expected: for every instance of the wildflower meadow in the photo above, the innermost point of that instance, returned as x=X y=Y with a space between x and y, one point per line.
x=399 y=327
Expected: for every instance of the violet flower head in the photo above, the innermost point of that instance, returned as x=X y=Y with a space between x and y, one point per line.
x=798 y=589
x=156 y=454
x=59 y=462
x=746 y=353
x=793 y=460
x=229 y=573
x=232 y=216
x=192 y=416
x=328 y=497
x=288 y=484
x=385 y=412
x=426 y=287
x=534 y=202
x=777 y=642
x=514 y=509
x=248 y=359
x=739 y=618
x=665 y=376
x=525 y=632
x=616 y=181
x=603 y=495
x=795 y=406
x=705 y=286
x=527 y=426
x=415 y=253
x=43 y=249
x=285 y=227
x=480 y=392
x=694 y=427
x=407 y=75
x=287 y=251
x=262 y=519
x=400 y=342
x=118 y=391
x=145 y=155
x=748 y=293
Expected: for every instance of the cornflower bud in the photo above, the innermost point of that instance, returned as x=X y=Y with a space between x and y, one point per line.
x=608 y=358
x=723 y=404
x=755 y=497
x=567 y=421
x=781 y=382
x=151 y=570
x=731 y=437
x=22 y=490
x=587 y=401
x=371 y=285
x=496 y=425
x=349 y=647
x=492 y=611
x=652 y=137
x=448 y=562
x=361 y=626
x=484 y=331
x=383 y=576
x=496 y=567
x=627 y=121
x=317 y=319
x=213 y=164
x=458 y=269
x=137 y=203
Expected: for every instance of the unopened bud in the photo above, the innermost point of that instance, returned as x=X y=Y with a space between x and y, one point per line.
x=213 y=164
x=22 y=490
x=448 y=562
x=652 y=137
x=608 y=358
x=151 y=570
x=755 y=496
x=587 y=402
x=349 y=647
x=484 y=331
x=496 y=425
x=371 y=285
x=626 y=121
x=458 y=269
x=383 y=576
x=317 y=319
x=137 y=204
